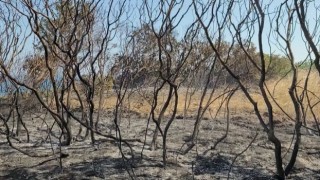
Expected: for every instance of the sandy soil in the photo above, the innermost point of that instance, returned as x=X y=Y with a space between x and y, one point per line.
x=103 y=160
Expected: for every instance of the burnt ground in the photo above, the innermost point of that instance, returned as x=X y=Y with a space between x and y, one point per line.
x=104 y=161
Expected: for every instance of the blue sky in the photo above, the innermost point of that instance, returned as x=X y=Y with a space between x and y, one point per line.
x=270 y=43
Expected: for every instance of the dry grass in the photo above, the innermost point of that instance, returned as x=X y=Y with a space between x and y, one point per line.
x=141 y=102
x=281 y=92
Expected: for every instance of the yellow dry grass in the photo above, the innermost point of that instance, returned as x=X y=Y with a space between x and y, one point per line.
x=141 y=102
x=281 y=92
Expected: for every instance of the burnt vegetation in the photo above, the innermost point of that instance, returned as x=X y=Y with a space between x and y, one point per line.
x=194 y=89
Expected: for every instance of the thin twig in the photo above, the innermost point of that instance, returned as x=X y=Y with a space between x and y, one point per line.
x=235 y=158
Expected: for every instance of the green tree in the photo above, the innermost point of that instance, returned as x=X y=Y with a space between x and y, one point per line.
x=277 y=65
